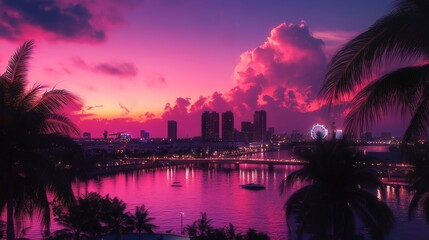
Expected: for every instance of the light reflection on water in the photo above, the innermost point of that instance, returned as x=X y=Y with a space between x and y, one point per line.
x=216 y=190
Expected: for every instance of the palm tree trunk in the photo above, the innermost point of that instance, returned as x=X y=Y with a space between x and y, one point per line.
x=10 y=227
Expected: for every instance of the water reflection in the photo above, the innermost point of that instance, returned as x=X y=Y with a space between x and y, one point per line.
x=215 y=189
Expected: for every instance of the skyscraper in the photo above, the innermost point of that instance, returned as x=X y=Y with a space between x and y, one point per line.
x=247 y=131
x=172 y=130
x=210 y=126
x=227 y=126
x=144 y=135
x=260 y=126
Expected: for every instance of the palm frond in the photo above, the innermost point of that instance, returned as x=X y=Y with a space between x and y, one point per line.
x=400 y=89
x=30 y=98
x=395 y=36
x=422 y=191
x=375 y=214
x=419 y=6
x=54 y=100
x=56 y=123
x=17 y=68
x=419 y=124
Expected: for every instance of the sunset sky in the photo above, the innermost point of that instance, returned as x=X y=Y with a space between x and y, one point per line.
x=136 y=64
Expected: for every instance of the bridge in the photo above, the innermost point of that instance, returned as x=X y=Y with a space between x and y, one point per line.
x=232 y=160
x=235 y=160
x=393 y=174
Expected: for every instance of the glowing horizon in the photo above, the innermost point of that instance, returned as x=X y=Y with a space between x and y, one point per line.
x=137 y=64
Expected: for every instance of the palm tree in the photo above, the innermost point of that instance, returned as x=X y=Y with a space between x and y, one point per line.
x=400 y=35
x=201 y=228
x=252 y=234
x=231 y=232
x=81 y=219
x=27 y=117
x=142 y=221
x=336 y=196
x=420 y=179
x=114 y=216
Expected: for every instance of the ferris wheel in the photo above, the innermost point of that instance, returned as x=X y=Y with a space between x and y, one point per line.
x=318 y=130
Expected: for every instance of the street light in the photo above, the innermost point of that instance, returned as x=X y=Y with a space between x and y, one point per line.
x=181 y=222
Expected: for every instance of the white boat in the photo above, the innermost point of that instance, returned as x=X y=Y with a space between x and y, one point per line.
x=253 y=186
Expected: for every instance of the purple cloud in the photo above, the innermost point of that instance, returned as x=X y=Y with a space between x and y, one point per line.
x=64 y=20
x=119 y=69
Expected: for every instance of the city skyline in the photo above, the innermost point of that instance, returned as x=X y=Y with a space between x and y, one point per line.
x=134 y=68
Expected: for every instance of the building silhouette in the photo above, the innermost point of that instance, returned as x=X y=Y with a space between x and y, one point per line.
x=270 y=133
x=87 y=135
x=247 y=131
x=172 y=130
x=210 y=126
x=260 y=126
x=144 y=135
x=227 y=126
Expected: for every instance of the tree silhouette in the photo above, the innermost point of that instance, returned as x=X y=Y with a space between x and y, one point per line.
x=141 y=220
x=115 y=218
x=82 y=219
x=400 y=35
x=94 y=215
x=29 y=117
x=201 y=228
x=336 y=196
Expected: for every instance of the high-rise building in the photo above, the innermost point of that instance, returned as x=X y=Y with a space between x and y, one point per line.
x=247 y=131
x=105 y=134
x=270 y=133
x=172 y=130
x=210 y=126
x=260 y=126
x=144 y=135
x=227 y=126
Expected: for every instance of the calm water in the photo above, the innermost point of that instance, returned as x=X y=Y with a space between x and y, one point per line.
x=217 y=192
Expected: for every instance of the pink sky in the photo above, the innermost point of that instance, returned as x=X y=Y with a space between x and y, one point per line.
x=136 y=64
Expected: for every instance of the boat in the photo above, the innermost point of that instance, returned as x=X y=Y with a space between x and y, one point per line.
x=253 y=186
x=176 y=184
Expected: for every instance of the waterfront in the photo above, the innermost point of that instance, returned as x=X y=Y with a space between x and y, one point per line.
x=216 y=190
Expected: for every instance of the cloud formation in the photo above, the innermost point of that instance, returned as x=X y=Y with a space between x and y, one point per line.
x=126 y=111
x=114 y=68
x=60 y=19
x=88 y=108
x=282 y=76
x=156 y=81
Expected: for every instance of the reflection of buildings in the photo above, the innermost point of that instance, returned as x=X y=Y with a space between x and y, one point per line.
x=247 y=131
x=210 y=126
x=260 y=126
x=172 y=130
x=227 y=126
